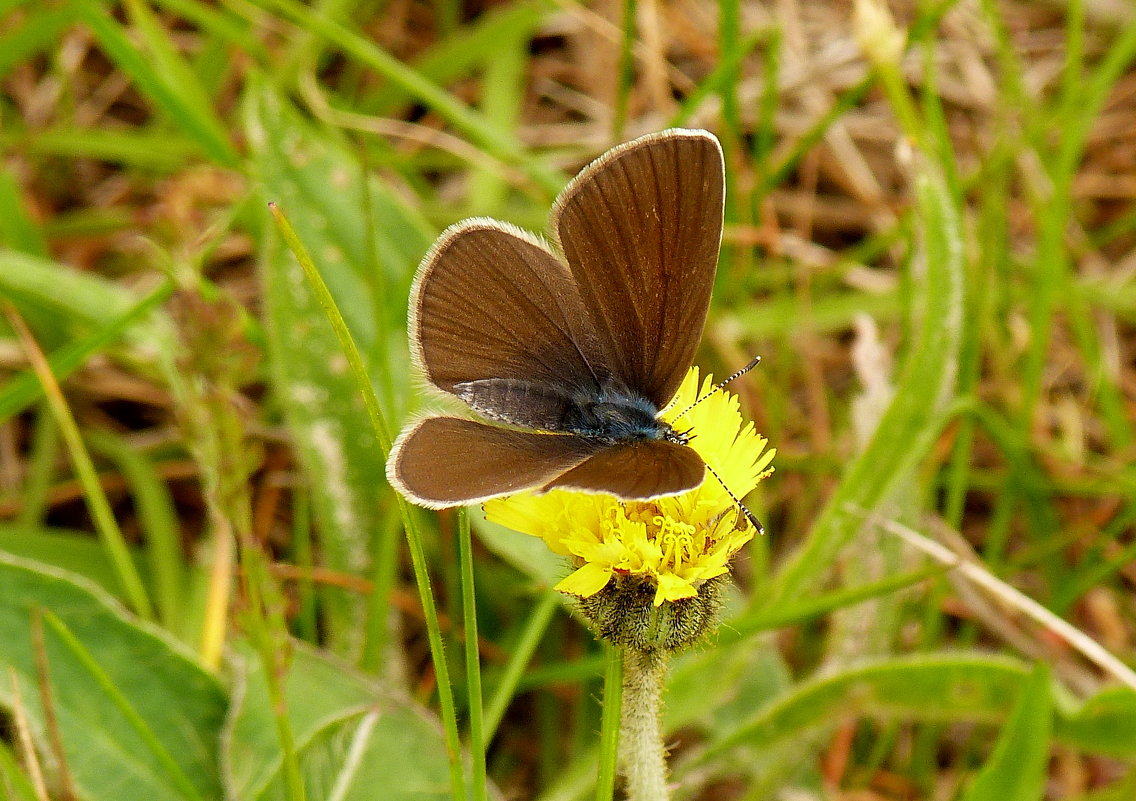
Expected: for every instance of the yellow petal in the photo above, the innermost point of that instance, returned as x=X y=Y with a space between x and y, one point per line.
x=587 y=581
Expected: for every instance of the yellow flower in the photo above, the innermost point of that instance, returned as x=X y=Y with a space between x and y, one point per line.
x=680 y=541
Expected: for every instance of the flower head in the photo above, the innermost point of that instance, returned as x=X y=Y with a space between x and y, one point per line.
x=676 y=543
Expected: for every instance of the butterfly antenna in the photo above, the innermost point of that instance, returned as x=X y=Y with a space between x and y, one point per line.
x=750 y=516
x=737 y=374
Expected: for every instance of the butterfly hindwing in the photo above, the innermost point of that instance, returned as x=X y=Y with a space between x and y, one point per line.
x=636 y=471
x=447 y=461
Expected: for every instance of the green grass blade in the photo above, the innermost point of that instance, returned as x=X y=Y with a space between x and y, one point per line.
x=609 y=727
x=939 y=687
x=481 y=131
x=780 y=616
x=221 y=23
x=185 y=104
x=519 y=657
x=17 y=229
x=37 y=33
x=913 y=418
x=163 y=151
x=410 y=522
x=458 y=54
x=1017 y=769
x=720 y=79
x=502 y=97
x=477 y=741
x=40 y=469
x=23 y=390
x=159 y=523
x=105 y=523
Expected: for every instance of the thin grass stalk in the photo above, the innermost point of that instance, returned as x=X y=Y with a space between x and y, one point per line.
x=410 y=522
x=62 y=769
x=464 y=119
x=223 y=559
x=625 y=71
x=609 y=724
x=24 y=736
x=519 y=657
x=105 y=524
x=477 y=741
x=160 y=531
x=40 y=469
x=268 y=632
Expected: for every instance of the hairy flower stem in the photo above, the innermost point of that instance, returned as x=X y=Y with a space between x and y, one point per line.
x=641 y=752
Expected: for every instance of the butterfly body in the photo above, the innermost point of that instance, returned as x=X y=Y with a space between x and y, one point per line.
x=614 y=417
x=574 y=351
x=607 y=414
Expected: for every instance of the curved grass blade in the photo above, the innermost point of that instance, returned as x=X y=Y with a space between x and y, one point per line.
x=916 y=413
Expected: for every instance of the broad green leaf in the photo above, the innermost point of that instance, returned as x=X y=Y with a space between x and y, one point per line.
x=75 y=551
x=356 y=741
x=1017 y=769
x=366 y=245
x=137 y=717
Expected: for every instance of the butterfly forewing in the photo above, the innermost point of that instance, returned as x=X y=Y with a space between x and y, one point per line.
x=491 y=302
x=447 y=461
x=641 y=228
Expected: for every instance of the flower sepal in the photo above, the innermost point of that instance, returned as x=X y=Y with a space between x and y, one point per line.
x=625 y=614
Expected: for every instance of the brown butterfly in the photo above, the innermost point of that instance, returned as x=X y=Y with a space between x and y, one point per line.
x=571 y=357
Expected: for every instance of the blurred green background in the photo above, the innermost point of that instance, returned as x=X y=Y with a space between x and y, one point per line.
x=930 y=240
